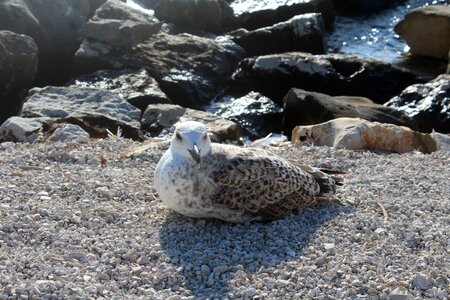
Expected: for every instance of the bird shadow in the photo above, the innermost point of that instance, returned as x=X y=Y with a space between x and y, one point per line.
x=211 y=252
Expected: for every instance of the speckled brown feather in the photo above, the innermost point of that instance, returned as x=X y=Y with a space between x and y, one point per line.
x=262 y=184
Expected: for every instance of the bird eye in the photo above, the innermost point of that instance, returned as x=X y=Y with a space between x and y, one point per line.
x=178 y=135
x=205 y=136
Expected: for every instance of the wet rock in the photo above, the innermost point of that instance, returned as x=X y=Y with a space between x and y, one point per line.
x=253 y=14
x=19 y=129
x=135 y=86
x=333 y=74
x=427 y=30
x=359 y=134
x=306 y=108
x=159 y=120
x=118 y=24
x=92 y=109
x=190 y=69
x=18 y=65
x=301 y=33
x=255 y=113
x=69 y=133
x=54 y=27
x=428 y=104
x=206 y=15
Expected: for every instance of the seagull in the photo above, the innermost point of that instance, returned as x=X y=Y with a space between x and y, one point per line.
x=200 y=179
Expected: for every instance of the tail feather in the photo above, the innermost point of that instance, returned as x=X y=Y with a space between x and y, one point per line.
x=327 y=179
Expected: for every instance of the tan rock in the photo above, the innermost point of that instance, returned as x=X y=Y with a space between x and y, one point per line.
x=359 y=134
x=159 y=119
x=427 y=30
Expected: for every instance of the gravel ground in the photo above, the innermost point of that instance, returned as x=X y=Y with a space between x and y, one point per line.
x=80 y=220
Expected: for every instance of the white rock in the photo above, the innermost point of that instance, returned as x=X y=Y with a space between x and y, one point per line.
x=329 y=246
x=19 y=129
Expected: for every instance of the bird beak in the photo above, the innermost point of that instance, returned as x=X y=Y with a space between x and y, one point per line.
x=195 y=153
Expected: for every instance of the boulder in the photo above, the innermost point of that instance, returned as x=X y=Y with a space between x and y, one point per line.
x=333 y=74
x=54 y=27
x=428 y=104
x=190 y=69
x=135 y=86
x=205 y=15
x=17 y=129
x=120 y=25
x=306 y=108
x=253 y=14
x=159 y=120
x=94 y=110
x=426 y=30
x=18 y=65
x=69 y=133
x=255 y=113
x=301 y=33
x=359 y=134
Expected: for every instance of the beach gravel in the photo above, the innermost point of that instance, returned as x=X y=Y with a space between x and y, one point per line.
x=81 y=220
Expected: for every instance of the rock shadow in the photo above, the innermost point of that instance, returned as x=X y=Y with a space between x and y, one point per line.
x=210 y=252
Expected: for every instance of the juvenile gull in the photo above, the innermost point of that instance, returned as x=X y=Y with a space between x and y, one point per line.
x=200 y=179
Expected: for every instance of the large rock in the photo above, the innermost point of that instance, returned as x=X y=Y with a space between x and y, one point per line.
x=428 y=104
x=359 y=134
x=17 y=129
x=427 y=30
x=207 y=15
x=306 y=108
x=53 y=25
x=301 y=33
x=118 y=24
x=18 y=66
x=159 y=120
x=190 y=69
x=135 y=86
x=253 y=14
x=255 y=113
x=332 y=74
x=94 y=110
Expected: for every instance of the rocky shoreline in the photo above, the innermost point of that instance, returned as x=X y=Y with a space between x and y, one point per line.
x=176 y=57
x=89 y=87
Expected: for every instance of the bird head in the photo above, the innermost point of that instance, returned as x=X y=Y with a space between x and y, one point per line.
x=191 y=140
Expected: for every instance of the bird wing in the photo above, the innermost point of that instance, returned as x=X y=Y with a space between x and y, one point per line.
x=262 y=185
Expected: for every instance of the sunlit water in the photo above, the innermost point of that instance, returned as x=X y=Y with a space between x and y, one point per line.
x=373 y=35
x=134 y=5
x=241 y=6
